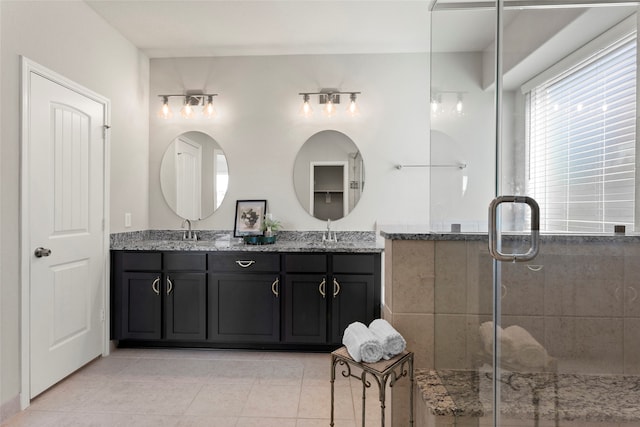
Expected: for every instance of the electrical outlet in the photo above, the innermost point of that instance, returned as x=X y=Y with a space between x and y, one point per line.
x=127 y=219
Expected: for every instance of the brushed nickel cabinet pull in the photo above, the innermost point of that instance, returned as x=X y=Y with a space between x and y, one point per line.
x=275 y=286
x=336 y=287
x=322 y=286
x=155 y=285
x=245 y=264
x=169 y=285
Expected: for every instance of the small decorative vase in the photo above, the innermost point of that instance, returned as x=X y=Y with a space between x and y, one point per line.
x=252 y=240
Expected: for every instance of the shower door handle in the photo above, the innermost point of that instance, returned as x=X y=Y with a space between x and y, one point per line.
x=493 y=229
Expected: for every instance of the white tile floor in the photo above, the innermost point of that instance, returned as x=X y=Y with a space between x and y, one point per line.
x=176 y=387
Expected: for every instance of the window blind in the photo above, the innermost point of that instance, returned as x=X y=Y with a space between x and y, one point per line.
x=581 y=135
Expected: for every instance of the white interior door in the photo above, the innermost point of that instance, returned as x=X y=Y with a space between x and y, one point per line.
x=188 y=178
x=65 y=187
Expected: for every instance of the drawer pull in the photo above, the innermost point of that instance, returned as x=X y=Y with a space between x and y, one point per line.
x=155 y=286
x=245 y=264
x=274 y=287
x=322 y=286
x=169 y=285
x=336 y=287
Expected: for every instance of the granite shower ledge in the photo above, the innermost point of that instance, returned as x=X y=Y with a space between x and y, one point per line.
x=214 y=241
x=391 y=234
x=570 y=397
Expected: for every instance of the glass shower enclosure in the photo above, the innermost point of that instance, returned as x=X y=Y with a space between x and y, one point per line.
x=533 y=120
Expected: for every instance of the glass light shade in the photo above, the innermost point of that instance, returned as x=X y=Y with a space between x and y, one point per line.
x=460 y=107
x=352 y=108
x=434 y=105
x=187 y=111
x=306 y=109
x=209 y=110
x=165 y=111
x=329 y=109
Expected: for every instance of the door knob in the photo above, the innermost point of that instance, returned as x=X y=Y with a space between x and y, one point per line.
x=40 y=252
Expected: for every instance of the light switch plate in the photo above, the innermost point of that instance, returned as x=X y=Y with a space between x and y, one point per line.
x=127 y=219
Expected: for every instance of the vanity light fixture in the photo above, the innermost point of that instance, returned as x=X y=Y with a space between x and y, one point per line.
x=191 y=100
x=441 y=98
x=306 y=109
x=329 y=98
x=460 y=105
x=165 y=111
x=353 y=109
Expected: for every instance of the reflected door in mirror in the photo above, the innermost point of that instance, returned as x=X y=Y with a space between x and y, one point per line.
x=194 y=175
x=188 y=178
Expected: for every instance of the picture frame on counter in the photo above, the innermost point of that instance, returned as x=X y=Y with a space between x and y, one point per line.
x=249 y=218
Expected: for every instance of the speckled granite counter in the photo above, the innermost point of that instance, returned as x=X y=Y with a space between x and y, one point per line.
x=570 y=397
x=169 y=240
x=420 y=233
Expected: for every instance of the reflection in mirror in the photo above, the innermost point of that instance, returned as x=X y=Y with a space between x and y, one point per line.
x=194 y=175
x=328 y=175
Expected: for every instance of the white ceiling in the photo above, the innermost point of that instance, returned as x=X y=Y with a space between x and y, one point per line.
x=184 y=28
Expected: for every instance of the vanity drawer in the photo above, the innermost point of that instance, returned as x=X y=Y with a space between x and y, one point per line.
x=141 y=261
x=354 y=263
x=244 y=261
x=305 y=263
x=180 y=261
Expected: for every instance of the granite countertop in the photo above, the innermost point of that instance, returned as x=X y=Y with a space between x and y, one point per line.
x=159 y=240
x=423 y=233
x=584 y=397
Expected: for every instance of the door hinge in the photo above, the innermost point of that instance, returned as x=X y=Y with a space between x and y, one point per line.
x=105 y=128
x=102 y=316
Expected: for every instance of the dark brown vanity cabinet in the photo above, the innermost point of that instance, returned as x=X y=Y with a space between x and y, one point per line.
x=158 y=296
x=324 y=293
x=241 y=299
x=305 y=296
x=355 y=291
x=244 y=297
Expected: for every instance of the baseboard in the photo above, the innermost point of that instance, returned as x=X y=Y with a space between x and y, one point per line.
x=9 y=408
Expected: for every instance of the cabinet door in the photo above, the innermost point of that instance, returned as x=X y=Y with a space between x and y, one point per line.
x=141 y=309
x=244 y=308
x=185 y=306
x=305 y=308
x=352 y=299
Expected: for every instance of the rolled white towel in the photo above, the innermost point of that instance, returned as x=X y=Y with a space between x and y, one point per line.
x=361 y=343
x=392 y=342
x=504 y=340
x=486 y=336
x=525 y=350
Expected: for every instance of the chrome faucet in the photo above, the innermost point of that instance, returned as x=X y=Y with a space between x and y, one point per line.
x=188 y=234
x=328 y=237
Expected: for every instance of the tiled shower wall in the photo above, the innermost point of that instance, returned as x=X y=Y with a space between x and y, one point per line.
x=580 y=299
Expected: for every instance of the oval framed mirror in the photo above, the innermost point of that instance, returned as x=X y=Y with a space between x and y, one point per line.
x=328 y=175
x=194 y=175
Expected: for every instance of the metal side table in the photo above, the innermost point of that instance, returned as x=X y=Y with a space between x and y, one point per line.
x=383 y=372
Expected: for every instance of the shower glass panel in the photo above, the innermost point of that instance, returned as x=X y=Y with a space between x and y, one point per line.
x=537 y=99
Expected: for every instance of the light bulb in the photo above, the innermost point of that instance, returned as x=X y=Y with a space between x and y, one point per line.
x=165 y=111
x=187 y=110
x=434 y=106
x=460 y=106
x=209 y=111
x=306 y=110
x=329 y=109
x=352 y=108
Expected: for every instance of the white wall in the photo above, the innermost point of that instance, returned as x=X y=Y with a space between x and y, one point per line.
x=468 y=138
x=69 y=38
x=261 y=132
